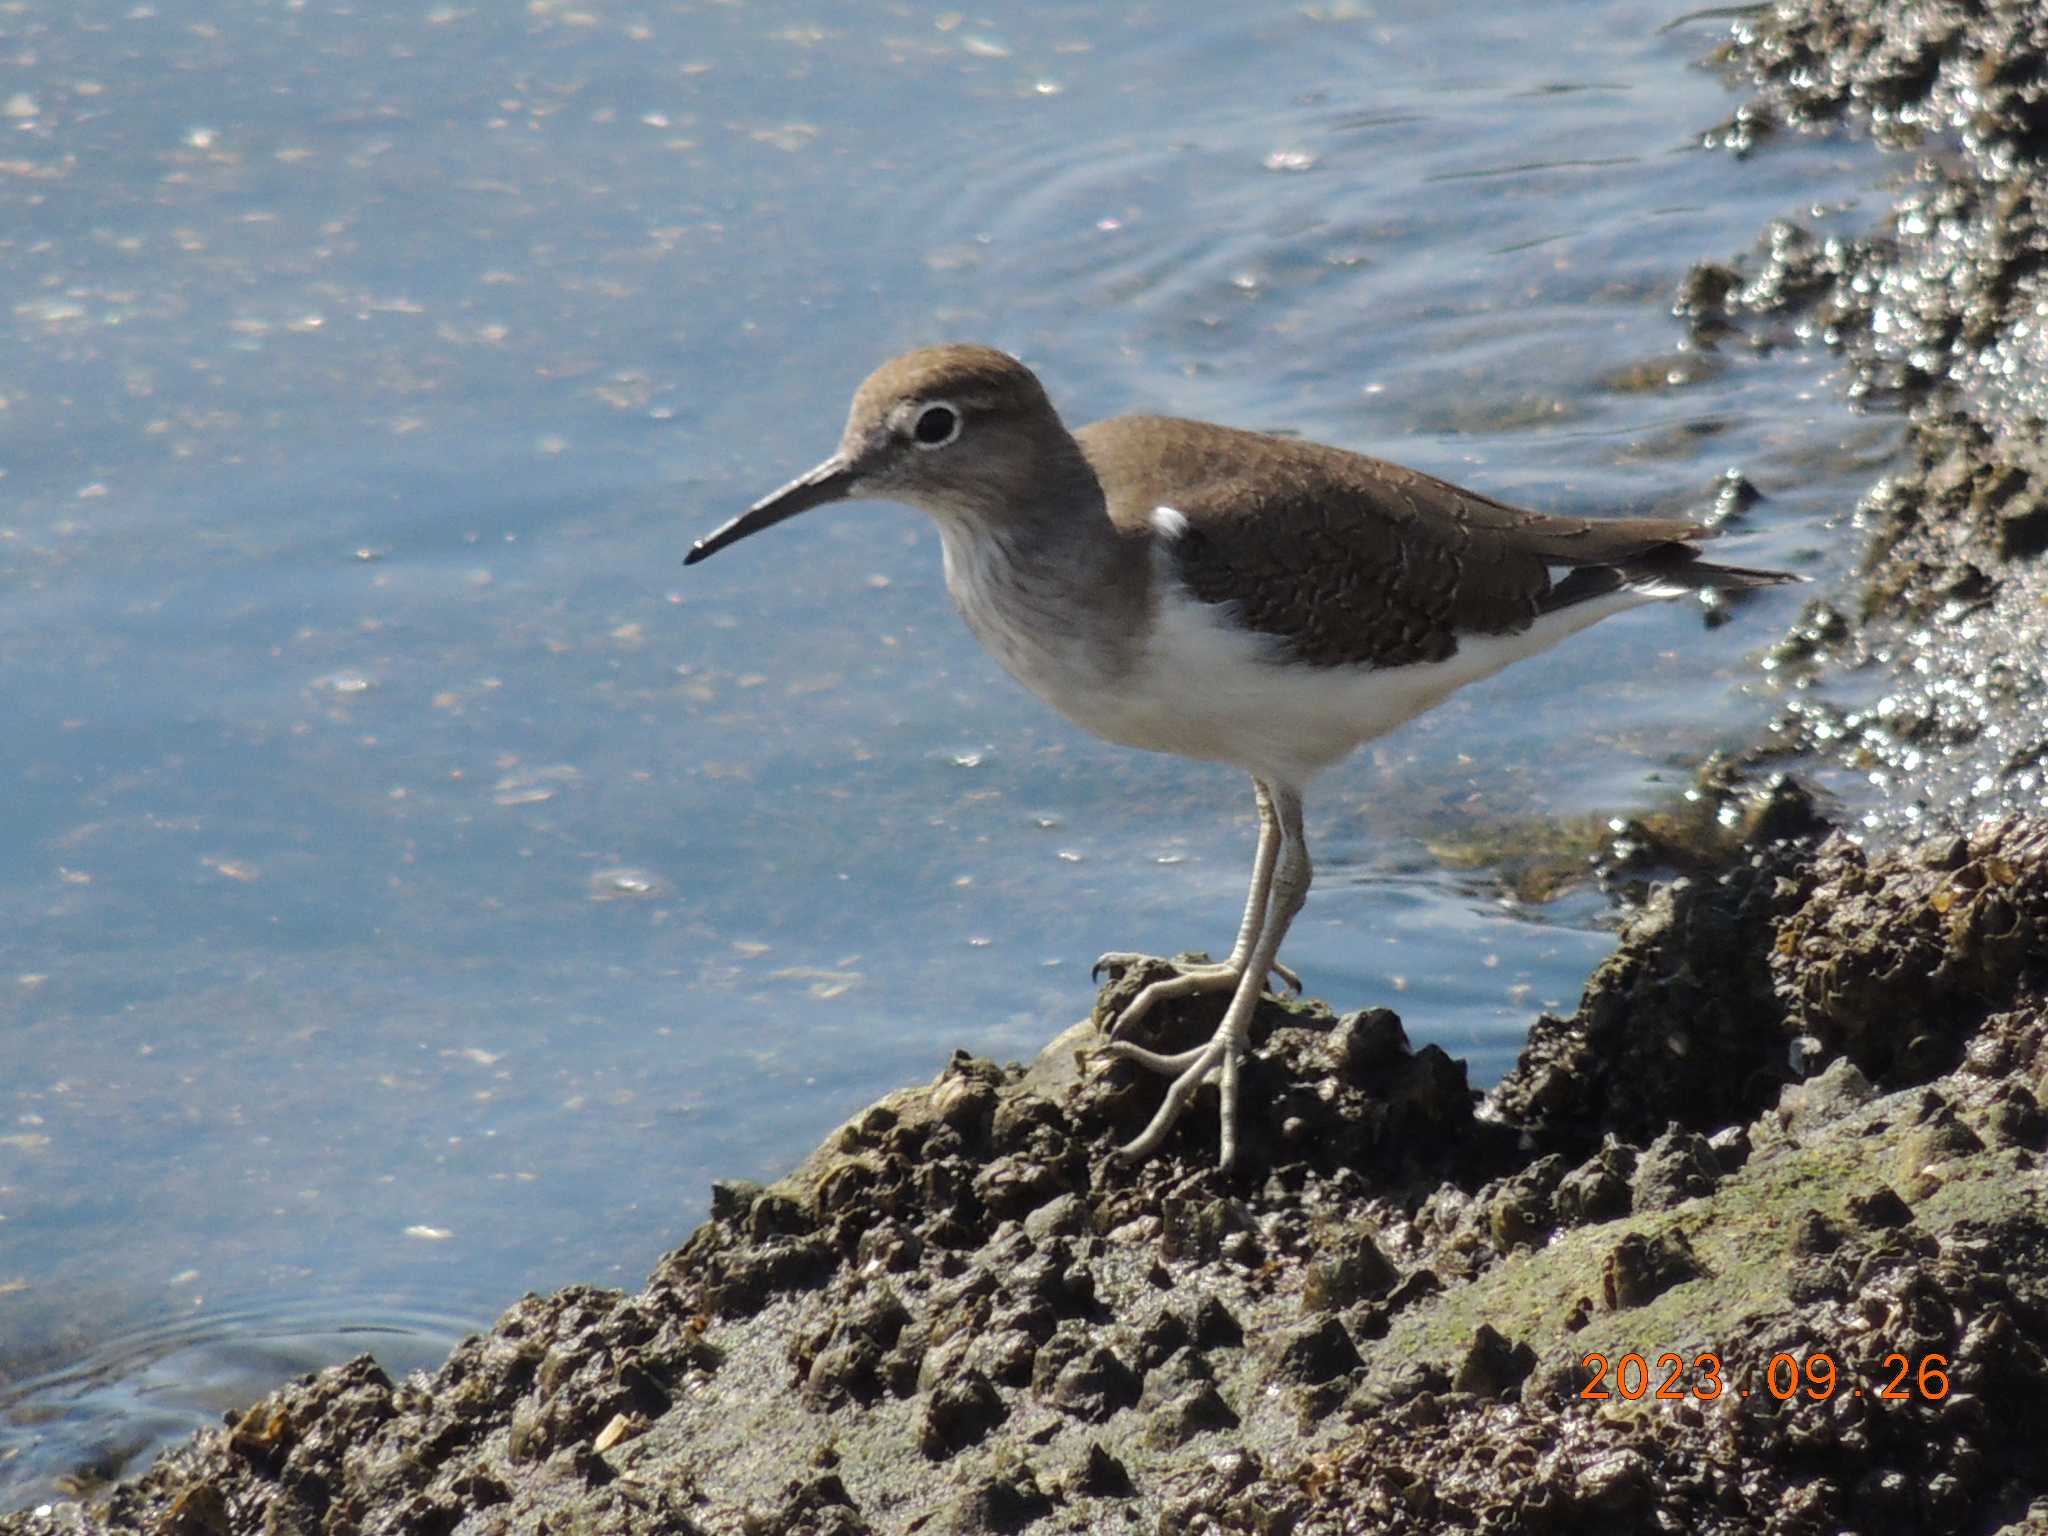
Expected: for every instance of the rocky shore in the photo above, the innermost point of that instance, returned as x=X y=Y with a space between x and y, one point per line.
x=1781 y=1173
x=1755 y=1241
x=1941 y=314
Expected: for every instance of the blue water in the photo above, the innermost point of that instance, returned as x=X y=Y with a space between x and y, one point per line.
x=415 y=887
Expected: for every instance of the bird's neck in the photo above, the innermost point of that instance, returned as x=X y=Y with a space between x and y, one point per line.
x=1048 y=585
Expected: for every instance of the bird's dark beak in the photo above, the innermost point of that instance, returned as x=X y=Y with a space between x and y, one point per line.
x=832 y=480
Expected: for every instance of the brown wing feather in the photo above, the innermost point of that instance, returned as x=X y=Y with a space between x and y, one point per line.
x=1351 y=559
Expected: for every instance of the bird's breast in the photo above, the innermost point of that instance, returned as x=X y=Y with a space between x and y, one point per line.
x=1138 y=663
x=1034 y=614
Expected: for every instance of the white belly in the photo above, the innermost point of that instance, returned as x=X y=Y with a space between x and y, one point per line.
x=1212 y=690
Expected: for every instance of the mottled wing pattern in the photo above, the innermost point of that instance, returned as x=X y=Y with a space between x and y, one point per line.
x=1351 y=560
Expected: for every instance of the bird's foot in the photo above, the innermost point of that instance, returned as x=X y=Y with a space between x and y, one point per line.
x=1222 y=1056
x=1190 y=979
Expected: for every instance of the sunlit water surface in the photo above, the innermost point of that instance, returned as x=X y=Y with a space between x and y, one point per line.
x=415 y=887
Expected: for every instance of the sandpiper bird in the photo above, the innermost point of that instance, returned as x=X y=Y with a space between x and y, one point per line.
x=1225 y=595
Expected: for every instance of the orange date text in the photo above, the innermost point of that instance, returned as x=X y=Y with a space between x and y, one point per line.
x=1786 y=1377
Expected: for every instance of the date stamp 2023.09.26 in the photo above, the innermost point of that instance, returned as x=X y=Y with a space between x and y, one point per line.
x=1704 y=1377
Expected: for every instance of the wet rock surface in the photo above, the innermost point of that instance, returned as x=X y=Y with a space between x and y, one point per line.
x=1756 y=1240
x=1935 y=708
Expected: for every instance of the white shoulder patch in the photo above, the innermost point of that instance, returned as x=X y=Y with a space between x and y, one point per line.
x=1169 y=522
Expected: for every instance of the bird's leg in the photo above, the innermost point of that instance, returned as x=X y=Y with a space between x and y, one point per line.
x=1262 y=885
x=1222 y=976
x=1225 y=1052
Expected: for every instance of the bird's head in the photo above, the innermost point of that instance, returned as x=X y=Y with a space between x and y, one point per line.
x=958 y=431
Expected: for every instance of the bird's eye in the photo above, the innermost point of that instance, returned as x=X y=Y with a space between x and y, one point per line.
x=936 y=426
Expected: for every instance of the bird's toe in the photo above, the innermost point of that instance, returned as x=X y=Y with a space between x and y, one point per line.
x=1116 y=962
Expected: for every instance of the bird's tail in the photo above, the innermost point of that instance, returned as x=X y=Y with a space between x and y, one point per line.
x=1679 y=578
x=1699 y=575
x=1672 y=570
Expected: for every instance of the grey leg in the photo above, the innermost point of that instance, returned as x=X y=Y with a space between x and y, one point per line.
x=1223 y=976
x=1225 y=1052
x=1262 y=878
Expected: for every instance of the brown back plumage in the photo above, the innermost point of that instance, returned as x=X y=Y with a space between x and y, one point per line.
x=1352 y=560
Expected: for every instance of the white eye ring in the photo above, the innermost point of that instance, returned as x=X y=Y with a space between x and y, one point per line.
x=941 y=419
